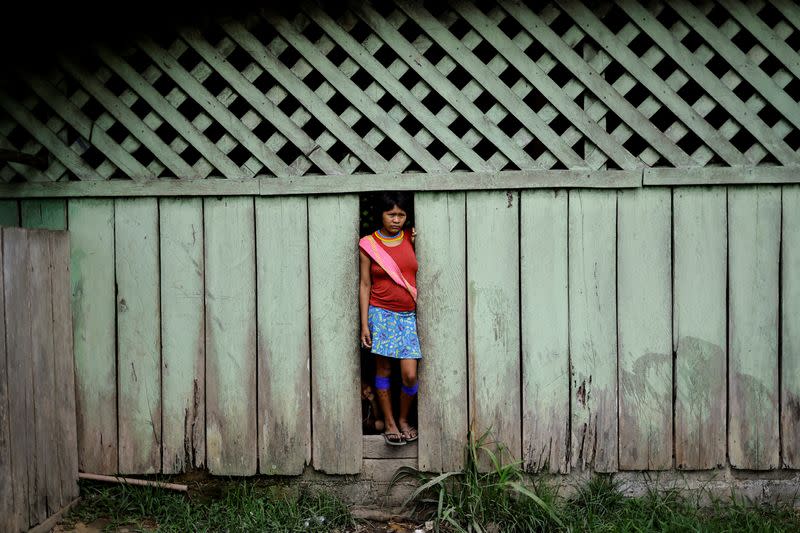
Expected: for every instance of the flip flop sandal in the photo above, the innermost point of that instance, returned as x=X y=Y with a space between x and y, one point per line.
x=411 y=439
x=391 y=442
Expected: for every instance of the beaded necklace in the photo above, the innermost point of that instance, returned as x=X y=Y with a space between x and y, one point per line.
x=383 y=238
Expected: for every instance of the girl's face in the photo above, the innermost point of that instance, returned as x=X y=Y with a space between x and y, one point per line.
x=393 y=220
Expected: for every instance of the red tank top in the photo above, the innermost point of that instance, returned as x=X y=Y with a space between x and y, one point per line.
x=387 y=294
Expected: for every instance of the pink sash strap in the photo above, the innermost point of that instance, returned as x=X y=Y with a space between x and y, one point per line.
x=385 y=261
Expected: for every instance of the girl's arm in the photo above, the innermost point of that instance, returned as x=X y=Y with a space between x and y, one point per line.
x=364 y=288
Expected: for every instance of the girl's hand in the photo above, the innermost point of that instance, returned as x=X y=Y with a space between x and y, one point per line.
x=413 y=234
x=366 y=338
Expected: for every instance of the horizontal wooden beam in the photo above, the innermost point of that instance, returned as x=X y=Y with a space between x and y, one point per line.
x=721 y=175
x=447 y=181
x=272 y=186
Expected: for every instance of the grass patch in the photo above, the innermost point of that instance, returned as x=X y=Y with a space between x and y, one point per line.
x=242 y=506
x=503 y=499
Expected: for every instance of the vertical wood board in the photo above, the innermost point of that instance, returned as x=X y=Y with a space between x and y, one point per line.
x=493 y=317
x=44 y=214
x=644 y=325
x=66 y=429
x=284 y=382
x=9 y=213
x=138 y=335
x=48 y=486
x=441 y=308
x=19 y=346
x=790 y=326
x=230 y=336
x=333 y=269
x=544 y=309
x=699 y=315
x=91 y=226
x=754 y=233
x=183 y=442
x=593 y=329
x=7 y=515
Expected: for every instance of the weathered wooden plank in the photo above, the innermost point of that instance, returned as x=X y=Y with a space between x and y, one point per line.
x=333 y=273
x=710 y=82
x=9 y=213
x=19 y=346
x=307 y=97
x=544 y=308
x=267 y=186
x=231 y=443
x=182 y=334
x=7 y=516
x=284 y=381
x=91 y=226
x=789 y=10
x=753 y=247
x=47 y=138
x=442 y=305
x=493 y=316
x=721 y=175
x=737 y=59
x=644 y=326
x=65 y=428
x=619 y=51
x=138 y=335
x=48 y=483
x=699 y=315
x=133 y=124
x=790 y=330
x=44 y=214
x=406 y=98
x=186 y=129
x=423 y=67
x=593 y=329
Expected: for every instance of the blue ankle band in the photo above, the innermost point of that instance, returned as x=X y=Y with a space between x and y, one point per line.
x=382 y=382
x=411 y=391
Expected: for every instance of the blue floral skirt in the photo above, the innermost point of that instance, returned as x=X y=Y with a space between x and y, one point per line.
x=394 y=333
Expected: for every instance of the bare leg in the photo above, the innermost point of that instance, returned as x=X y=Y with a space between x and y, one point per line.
x=383 y=368
x=408 y=372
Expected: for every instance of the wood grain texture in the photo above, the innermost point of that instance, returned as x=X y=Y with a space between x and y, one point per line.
x=183 y=416
x=644 y=325
x=44 y=214
x=91 y=226
x=493 y=316
x=699 y=315
x=9 y=213
x=7 y=516
x=47 y=482
x=335 y=378
x=441 y=308
x=544 y=311
x=284 y=381
x=19 y=346
x=593 y=329
x=790 y=328
x=138 y=335
x=64 y=365
x=753 y=248
x=231 y=444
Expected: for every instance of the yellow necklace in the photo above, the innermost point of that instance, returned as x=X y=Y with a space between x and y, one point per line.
x=396 y=238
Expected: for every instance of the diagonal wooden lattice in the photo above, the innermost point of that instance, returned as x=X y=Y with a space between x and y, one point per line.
x=411 y=87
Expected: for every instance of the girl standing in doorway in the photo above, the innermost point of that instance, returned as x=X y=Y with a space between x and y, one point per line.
x=388 y=302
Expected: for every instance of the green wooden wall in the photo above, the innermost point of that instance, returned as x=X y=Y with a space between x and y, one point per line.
x=587 y=329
